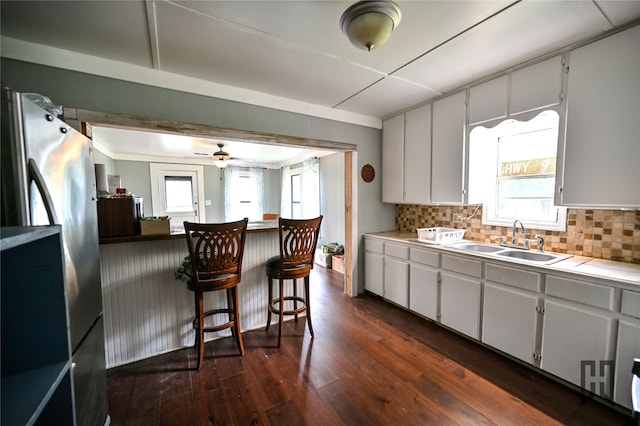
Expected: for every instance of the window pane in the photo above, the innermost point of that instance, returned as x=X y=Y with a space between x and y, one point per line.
x=179 y=194
x=520 y=188
x=541 y=209
x=296 y=189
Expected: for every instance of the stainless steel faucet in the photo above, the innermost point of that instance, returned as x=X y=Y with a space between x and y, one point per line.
x=513 y=231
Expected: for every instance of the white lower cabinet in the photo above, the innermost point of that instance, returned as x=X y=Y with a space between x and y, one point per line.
x=423 y=290
x=396 y=274
x=628 y=348
x=424 y=282
x=460 y=304
x=577 y=345
x=374 y=266
x=510 y=321
x=374 y=273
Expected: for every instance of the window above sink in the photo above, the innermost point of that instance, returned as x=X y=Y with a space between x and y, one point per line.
x=514 y=165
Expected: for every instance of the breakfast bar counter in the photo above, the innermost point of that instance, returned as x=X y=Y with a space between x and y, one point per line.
x=147 y=311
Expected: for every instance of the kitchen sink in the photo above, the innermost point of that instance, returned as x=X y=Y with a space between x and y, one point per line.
x=525 y=256
x=530 y=255
x=482 y=248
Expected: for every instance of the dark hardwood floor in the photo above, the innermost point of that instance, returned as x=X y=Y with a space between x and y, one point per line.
x=370 y=363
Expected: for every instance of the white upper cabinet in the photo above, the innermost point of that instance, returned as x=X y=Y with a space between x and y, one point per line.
x=393 y=159
x=488 y=101
x=406 y=157
x=532 y=88
x=537 y=86
x=602 y=143
x=447 y=151
x=417 y=155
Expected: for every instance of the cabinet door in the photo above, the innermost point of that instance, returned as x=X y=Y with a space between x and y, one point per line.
x=396 y=273
x=510 y=321
x=460 y=304
x=537 y=86
x=393 y=159
x=488 y=101
x=447 y=161
x=628 y=349
x=423 y=291
x=573 y=335
x=602 y=143
x=417 y=155
x=374 y=273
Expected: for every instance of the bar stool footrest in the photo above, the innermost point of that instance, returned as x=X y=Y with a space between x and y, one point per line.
x=274 y=302
x=217 y=327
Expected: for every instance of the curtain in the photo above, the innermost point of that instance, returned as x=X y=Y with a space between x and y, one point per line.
x=285 y=196
x=243 y=193
x=311 y=188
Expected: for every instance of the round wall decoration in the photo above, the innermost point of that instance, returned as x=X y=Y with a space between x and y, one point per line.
x=367 y=173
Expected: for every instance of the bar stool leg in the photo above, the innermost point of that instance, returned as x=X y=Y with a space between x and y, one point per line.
x=200 y=320
x=270 y=305
x=281 y=310
x=236 y=321
x=295 y=295
x=307 y=299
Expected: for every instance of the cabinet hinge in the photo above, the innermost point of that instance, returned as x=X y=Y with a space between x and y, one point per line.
x=439 y=278
x=540 y=309
x=537 y=356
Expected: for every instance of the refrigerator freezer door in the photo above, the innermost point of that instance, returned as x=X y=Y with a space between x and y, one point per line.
x=63 y=157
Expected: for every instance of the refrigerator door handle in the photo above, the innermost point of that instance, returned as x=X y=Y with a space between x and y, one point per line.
x=36 y=176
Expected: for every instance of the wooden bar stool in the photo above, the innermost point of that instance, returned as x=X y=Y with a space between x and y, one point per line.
x=215 y=251
x=298 y=239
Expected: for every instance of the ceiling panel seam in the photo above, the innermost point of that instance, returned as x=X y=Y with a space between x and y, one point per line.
x=455 y=36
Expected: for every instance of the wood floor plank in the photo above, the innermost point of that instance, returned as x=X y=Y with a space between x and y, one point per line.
x=370 y=363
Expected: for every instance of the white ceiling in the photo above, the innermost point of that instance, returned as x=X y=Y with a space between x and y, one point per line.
x=291 y=55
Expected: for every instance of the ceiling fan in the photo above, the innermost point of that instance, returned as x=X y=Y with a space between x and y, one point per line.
x=220 y=158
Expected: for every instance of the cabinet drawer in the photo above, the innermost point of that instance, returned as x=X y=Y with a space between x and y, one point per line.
x=373 y=246
x=395 y=250
x=630 y=303
x=425 y=257
x=584 y=292
x=514 y=277
x=462 y=265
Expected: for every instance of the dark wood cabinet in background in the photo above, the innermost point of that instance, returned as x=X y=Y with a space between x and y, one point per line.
x=118 y=217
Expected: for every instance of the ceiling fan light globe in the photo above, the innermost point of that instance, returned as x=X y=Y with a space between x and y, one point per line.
x=220 y=163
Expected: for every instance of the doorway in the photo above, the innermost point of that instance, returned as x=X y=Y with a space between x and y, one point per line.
x=86 y=119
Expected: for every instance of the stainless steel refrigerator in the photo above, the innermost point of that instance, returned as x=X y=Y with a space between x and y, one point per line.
x=48 y=178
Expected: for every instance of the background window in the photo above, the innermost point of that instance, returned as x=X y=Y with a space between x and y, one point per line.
x=178 y=193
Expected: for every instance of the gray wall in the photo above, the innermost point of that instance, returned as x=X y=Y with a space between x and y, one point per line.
x=79 y=90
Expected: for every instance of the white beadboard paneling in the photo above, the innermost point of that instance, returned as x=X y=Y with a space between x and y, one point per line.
x=148 y=312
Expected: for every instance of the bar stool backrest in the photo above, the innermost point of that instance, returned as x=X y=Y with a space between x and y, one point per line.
x=216 y=249
x=298 y=240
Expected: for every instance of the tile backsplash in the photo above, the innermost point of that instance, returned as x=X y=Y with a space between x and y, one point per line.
x=603 y=234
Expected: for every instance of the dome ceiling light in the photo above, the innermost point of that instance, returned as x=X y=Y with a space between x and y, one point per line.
x=368 y=24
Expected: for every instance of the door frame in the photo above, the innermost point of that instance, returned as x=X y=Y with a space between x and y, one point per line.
x=85 y=119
